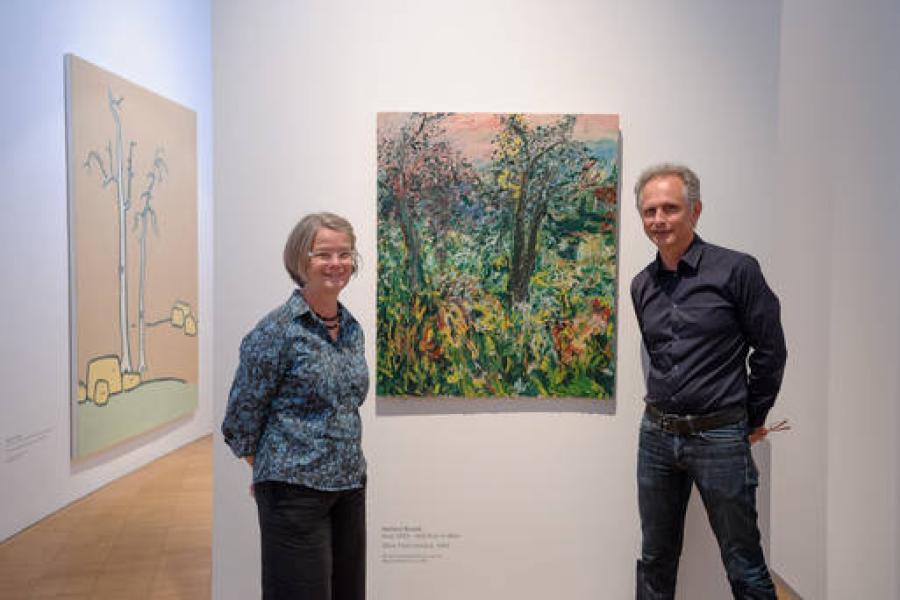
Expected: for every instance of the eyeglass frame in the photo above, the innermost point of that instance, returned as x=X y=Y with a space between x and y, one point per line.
x=352 y=256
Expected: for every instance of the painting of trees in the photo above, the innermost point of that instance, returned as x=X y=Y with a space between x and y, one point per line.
x=117 y=170
x=133 y=243
x=497 y=254
x=421 y=179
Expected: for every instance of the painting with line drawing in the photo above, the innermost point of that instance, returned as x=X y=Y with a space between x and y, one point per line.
x=132 y=186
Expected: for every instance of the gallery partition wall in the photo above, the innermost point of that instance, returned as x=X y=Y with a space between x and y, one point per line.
x=479 y=497
x=787 y=111
x=164 y=46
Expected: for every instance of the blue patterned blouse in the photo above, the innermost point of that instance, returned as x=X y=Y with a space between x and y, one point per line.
x=295 y=398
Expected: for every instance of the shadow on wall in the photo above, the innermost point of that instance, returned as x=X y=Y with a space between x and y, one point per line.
x=390 y=406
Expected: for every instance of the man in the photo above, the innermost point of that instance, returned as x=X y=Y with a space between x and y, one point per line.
x=702 y=310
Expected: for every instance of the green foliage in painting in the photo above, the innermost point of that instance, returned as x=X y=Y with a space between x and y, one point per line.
x=497 y=266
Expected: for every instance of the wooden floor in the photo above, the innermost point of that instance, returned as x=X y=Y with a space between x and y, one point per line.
x=146 y=535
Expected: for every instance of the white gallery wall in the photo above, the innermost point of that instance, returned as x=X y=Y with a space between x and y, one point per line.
x=164 y=46
x=836 y=477
x=540 y=494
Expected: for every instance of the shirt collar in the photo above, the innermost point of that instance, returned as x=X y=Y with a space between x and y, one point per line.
x=298 y=307
x=690 y=259
x=297 y=304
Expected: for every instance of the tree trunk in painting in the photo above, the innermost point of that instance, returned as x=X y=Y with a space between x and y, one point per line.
x=147 y=214
x=517 y=287
x=123 y=199
x=524 y=255
x=524 y=251
x=142 y=357
x=530 y=258
x=415 y=272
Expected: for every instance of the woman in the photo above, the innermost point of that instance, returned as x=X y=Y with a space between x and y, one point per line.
x=293 y=416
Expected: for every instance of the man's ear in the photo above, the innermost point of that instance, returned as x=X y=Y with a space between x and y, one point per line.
x=696 y=210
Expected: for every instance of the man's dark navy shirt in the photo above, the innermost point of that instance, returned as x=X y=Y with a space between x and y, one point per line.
x=699 y=323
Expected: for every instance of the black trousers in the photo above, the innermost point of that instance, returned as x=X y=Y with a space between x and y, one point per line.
x=313 y=542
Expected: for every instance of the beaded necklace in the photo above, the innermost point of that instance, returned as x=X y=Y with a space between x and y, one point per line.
x=331 y=323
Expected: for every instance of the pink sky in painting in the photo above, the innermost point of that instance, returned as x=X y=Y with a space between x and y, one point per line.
x=472 y=132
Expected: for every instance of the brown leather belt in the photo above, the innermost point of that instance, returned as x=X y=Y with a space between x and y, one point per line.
x=686 y=424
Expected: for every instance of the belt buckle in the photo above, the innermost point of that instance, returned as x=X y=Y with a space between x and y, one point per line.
x=665 y=423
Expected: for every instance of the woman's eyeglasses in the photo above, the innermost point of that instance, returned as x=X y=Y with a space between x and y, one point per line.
x=345 y=256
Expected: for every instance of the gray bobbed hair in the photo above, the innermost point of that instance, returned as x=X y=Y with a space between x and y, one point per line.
x=300 y=242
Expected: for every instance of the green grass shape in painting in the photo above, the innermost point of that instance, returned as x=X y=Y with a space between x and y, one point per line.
x=128 y=414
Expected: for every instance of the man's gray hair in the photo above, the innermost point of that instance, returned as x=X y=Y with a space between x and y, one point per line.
x=687 y=176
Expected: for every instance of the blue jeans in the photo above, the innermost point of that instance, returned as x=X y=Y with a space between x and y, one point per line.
x=313 y=542
x=718 y=461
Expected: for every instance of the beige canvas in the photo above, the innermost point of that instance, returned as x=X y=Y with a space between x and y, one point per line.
x=132 y=168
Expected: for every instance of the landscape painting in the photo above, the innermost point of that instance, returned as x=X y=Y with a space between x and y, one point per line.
x=497 y=255
x=132 y=177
